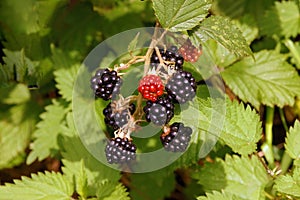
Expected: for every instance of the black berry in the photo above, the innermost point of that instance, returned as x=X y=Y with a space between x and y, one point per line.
x=181 y=86
x=171 y=55
x=177 y=138
x=159 y=112
x=120 y=151
x=106 y=84
x=117 y=118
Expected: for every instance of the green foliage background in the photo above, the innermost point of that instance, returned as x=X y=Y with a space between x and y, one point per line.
x=255 y=44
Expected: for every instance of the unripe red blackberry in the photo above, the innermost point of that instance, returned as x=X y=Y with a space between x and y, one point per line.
x=151 y=87
x=189 y=52
x=120 y=150
x=106 y=84
x=177 y=137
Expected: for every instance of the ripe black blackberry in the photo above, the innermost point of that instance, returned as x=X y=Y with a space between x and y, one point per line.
x=181 y=86
x=120 y=150
x=170 y=55
x=116 y=117
x=176 y=138
x=159 y=112
x=106 y=84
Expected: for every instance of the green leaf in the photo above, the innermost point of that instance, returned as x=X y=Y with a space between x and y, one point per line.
x=292 y=143
x=133 y=43
x=46 y=135
x=65 y=79
x=119 y=193
x=268 y=80
x=219 y=196
x=81 y=181
x=46 y=186
x=163 y=178
x=20 y=68
x=180 y=15
x=73 y=154
x=282 y=19
x=223 y=31
x=16 y=126
x=14 y=94
x=211 y=176
x=238 y=127
x=244 y=177
x=288 y=184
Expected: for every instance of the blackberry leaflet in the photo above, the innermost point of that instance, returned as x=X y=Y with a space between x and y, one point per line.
x=106 y=84
x=120 y=151
x=159 y=112
x=177 y=138
x=117 y=118
x=181 y=86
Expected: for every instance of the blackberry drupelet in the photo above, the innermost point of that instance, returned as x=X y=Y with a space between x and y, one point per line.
x=177 y=138
x=159 y=112
x=181 y=86
x=171 y=55
x=120 y=151
x=106 y=84
x=117 y=118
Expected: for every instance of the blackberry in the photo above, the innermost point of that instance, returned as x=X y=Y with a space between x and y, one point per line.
x=181 y=86
x=120 y=151
x=177 y=138
x=106 y=84
x=169 y=55
x=117 y=118
x=159 y=112
x=151 y=87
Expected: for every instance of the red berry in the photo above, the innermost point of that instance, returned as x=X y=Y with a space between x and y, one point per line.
x=151 y=87
x=189 y=52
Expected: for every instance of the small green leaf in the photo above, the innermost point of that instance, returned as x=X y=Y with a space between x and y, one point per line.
x=16 y=126
x=119 y=193
x=14 y=94
x=223 y=31
x=219 y=196
x=180 y=15
x=20 y=68
x=82 y=182
x=45 y=143
x=268 y=80
x=288 y=184
x=292 y=143
x=46 y=186
x=65 y=78
x=133 y=43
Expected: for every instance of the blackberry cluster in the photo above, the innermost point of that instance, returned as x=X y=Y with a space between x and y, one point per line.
x=170 y=55
x=159 y=112
x=181 y=86
x=117 y=118
x=189 y=52
x=106 y=84
x=177 y=139
x=120 y=150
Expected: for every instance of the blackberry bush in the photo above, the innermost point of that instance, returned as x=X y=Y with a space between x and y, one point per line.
x=106 y=84
x=176 y=138
x=120 y=150
x=159 y=112
x=181 y=86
